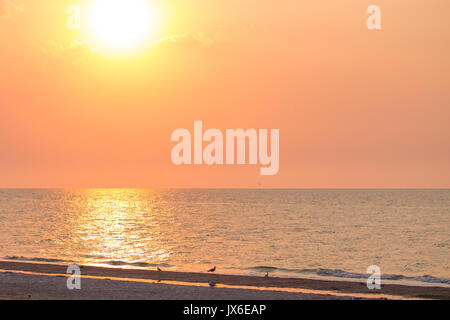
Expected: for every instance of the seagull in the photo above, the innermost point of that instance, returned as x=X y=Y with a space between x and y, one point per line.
x=267 y=275
x=158 y=268
x=212 y=270
x=212 y=284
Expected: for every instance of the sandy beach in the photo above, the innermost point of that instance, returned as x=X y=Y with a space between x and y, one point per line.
x=24 y=280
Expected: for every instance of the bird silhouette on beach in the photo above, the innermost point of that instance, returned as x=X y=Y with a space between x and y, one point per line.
x=158 y=268
x=267 y=275
x=212 y=284
x=212 y=270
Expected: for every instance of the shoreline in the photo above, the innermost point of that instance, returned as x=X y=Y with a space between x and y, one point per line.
x=251 y=287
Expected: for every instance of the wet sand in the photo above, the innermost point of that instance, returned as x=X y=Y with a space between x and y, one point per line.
x=23 y=280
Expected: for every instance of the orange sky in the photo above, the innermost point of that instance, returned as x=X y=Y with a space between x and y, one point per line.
x=355 y=108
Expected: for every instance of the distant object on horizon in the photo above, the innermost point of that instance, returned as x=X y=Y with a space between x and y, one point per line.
x=158 y=268
x=212 y=270
x=212 y=284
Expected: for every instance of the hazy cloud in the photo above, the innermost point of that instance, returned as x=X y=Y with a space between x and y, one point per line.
x=185 y=39
x=9 y=7
x=77 y=52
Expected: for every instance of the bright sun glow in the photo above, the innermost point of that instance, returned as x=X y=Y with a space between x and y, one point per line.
x=121 y=24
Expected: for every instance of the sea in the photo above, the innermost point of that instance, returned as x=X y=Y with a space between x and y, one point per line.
x=318 y=233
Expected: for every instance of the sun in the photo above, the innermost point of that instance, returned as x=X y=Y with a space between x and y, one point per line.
x=121 y=24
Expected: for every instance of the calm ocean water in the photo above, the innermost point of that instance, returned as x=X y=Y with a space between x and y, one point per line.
x=307 y=233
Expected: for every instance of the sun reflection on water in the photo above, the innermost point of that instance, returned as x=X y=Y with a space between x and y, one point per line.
x=121 y=225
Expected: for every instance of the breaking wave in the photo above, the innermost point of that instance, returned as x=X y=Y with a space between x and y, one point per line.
x=349 y=275
x=263 y=269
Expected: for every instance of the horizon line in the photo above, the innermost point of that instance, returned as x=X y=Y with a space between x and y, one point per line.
x=230 y=188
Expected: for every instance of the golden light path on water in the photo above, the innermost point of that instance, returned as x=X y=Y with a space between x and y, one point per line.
x=124 y=224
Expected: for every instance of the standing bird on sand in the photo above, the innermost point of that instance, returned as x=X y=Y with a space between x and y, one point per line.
x=158 y=269
x=212 y=284
x=267 y=275
x=212 y=270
